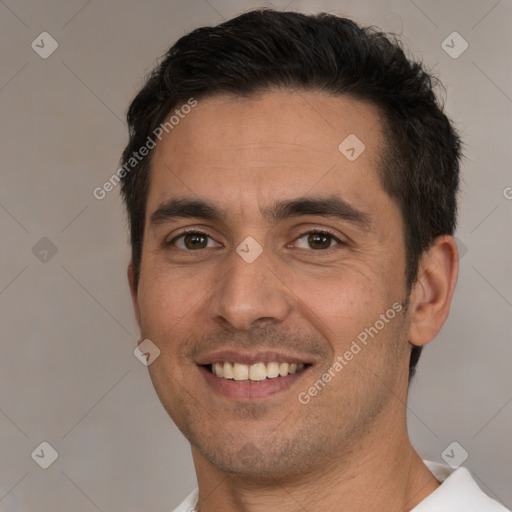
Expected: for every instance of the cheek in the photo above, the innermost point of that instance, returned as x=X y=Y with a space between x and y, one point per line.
x=166 y=301
x=167 y=306
x=352 y=305
x=346 y=295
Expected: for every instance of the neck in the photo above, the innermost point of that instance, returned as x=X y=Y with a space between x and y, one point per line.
x=379 y=471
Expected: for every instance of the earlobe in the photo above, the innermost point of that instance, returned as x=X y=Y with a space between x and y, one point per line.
x=432 y=293
x=133 y=292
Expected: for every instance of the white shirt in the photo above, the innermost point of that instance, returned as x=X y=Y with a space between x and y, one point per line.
x=458 y=492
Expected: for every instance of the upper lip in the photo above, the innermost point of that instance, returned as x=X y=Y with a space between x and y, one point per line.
x=259 y=356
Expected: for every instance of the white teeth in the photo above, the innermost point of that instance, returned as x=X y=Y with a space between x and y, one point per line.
x=218 y=369
x=272 y=370
x=241 y=371
x=283 y=369
x=254 y=372
x=257 y=372
x=228 y=371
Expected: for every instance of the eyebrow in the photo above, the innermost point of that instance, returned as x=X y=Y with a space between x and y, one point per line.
x=184 y=209
x=330 y=206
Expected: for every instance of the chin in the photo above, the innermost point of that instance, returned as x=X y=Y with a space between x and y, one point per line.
x=275 y=458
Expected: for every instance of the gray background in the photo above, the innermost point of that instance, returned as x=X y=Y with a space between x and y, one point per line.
x=68 y=375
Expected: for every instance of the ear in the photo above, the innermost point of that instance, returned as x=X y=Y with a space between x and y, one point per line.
x=432 y=292
x=133 y=292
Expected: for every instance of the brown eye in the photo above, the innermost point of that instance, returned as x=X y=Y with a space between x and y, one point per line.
x=319 y=240
x=193 y=240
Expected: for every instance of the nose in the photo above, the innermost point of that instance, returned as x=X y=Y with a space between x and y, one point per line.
x=250 y=295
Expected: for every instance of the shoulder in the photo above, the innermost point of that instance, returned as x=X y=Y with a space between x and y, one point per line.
x=458 y=492
x=189 y=505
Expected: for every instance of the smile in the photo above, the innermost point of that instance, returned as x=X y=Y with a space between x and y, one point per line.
x=254 y=372
x=258 y=374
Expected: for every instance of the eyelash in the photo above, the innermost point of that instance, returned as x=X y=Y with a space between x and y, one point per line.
x=309 y=232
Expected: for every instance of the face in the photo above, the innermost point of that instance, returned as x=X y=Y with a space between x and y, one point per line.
x=273 y=281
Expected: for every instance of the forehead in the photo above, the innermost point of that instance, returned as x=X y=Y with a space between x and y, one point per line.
x=269 y=146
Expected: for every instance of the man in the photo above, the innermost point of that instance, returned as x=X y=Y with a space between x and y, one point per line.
x=291 y=183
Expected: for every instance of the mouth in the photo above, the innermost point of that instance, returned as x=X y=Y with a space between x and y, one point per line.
x=255 y=372
x=253 y=376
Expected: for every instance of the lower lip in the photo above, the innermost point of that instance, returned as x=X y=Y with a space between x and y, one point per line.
x=249 y=390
